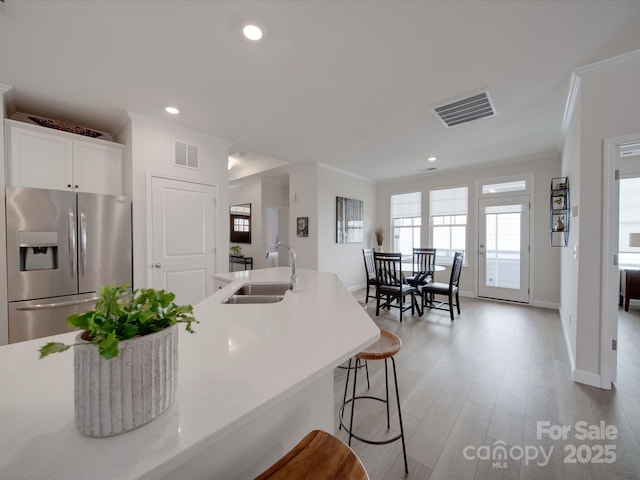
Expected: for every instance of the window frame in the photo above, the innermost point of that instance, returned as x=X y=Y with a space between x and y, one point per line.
x=416 y=229
x=442 y=257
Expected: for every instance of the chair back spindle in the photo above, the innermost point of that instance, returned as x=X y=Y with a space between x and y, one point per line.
x=369 y=263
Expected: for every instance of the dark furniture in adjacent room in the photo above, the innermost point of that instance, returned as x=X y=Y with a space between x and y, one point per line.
x=631 y=287
x=246 y=262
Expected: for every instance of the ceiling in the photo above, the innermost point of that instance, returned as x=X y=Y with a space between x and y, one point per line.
x=346 y=83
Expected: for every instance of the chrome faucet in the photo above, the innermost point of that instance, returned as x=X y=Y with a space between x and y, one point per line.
x=294 y=275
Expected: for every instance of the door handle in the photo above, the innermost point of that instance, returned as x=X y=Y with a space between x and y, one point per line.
x=72 y=242
x=83 y=242
x=157 y=265
x=44 y=306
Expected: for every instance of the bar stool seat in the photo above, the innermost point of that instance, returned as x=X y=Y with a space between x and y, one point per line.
x=384 y=349
x=318 y=456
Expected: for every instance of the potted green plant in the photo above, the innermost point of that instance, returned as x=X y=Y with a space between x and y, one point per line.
x=125 y=357
x=235 y=250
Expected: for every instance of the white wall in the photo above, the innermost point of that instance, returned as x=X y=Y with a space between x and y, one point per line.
x=569 y=263
x=275 y=198
x=545 y=260
x=609 y=107
x=343 y=259
x=152 y=153
x=303 y=183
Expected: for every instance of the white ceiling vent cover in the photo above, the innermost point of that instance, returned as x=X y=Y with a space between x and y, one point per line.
x=465 y=110
x=186 y=155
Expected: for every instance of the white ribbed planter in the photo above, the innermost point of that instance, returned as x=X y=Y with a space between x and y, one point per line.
x=117 y=395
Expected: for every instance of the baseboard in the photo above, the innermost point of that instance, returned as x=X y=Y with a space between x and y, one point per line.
x=355 y=288
x=587 y=378
x=580 y=376
x=549 y=305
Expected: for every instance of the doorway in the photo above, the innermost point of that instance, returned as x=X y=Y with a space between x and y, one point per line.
x=182 y=238
x=615 y=149
x=277 y=231
x=503 y=253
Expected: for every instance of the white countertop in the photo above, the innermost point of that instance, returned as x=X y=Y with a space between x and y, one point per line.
x=242 y=359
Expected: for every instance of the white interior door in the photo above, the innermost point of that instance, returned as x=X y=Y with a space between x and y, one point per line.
x=183 y=238
x=503 y=253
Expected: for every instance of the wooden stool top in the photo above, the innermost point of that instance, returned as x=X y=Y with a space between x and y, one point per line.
x=387 y=346
x=318 y=456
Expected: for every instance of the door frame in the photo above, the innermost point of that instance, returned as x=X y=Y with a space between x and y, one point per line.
x=149 y=221
x=265 y=216
x=610 y=278
x=529 y=178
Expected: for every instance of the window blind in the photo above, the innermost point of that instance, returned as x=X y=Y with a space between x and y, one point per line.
x=406 y=205
x=448 y=201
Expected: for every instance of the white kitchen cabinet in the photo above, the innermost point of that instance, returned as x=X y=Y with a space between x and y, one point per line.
x=97 y=167
x=44 y=158
x=219 y=283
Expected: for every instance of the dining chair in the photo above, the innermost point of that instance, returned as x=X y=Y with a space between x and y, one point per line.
x=424 y=264
x=370 y=269
x=390 y=286
x=450 y=289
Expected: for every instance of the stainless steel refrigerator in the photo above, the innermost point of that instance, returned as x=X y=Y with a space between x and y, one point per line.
x=61 y=246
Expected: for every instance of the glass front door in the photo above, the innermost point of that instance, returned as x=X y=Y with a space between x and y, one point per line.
x=504 y=248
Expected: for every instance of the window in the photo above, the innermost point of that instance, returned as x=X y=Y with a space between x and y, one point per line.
x=503 y=187
x=629 y=221
x=406 y=221
x=448 y=221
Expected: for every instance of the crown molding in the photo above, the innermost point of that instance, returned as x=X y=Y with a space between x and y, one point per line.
x=582 y=72
x=608 y=64
x=574 y=91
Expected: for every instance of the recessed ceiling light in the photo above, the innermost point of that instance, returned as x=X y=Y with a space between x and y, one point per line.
x=252 y=32
x=432 y=159
x=172 y=110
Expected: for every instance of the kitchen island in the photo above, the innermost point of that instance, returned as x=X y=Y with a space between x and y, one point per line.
x=252 y=381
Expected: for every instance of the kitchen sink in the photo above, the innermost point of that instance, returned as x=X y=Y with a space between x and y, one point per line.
x=263 y=289
x=258 y=293
x=248 y=299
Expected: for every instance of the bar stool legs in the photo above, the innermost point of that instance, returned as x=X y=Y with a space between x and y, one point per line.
x=384 y=349
x=348 y=368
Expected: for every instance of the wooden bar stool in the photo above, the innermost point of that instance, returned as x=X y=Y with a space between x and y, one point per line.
x=384 y=349
x=318 y=456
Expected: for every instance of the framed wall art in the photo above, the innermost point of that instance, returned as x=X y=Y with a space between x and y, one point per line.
x=349 y=220
x=302 y=227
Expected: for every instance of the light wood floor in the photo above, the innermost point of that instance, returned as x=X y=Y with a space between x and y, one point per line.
x=489 y=377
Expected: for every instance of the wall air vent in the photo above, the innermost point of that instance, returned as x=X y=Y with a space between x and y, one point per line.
x=465 y=110
x=186 y=155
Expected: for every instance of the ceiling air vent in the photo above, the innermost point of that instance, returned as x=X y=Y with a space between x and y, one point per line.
x=186 y=155
x=465 y=110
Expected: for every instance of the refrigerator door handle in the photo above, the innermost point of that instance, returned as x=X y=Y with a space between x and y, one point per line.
x=42 y=306
x=72 y=242
x=83 y=242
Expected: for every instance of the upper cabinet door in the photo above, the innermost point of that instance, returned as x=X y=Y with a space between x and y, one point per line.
x=97 y=168
x=40 y=159
x=44 y=158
